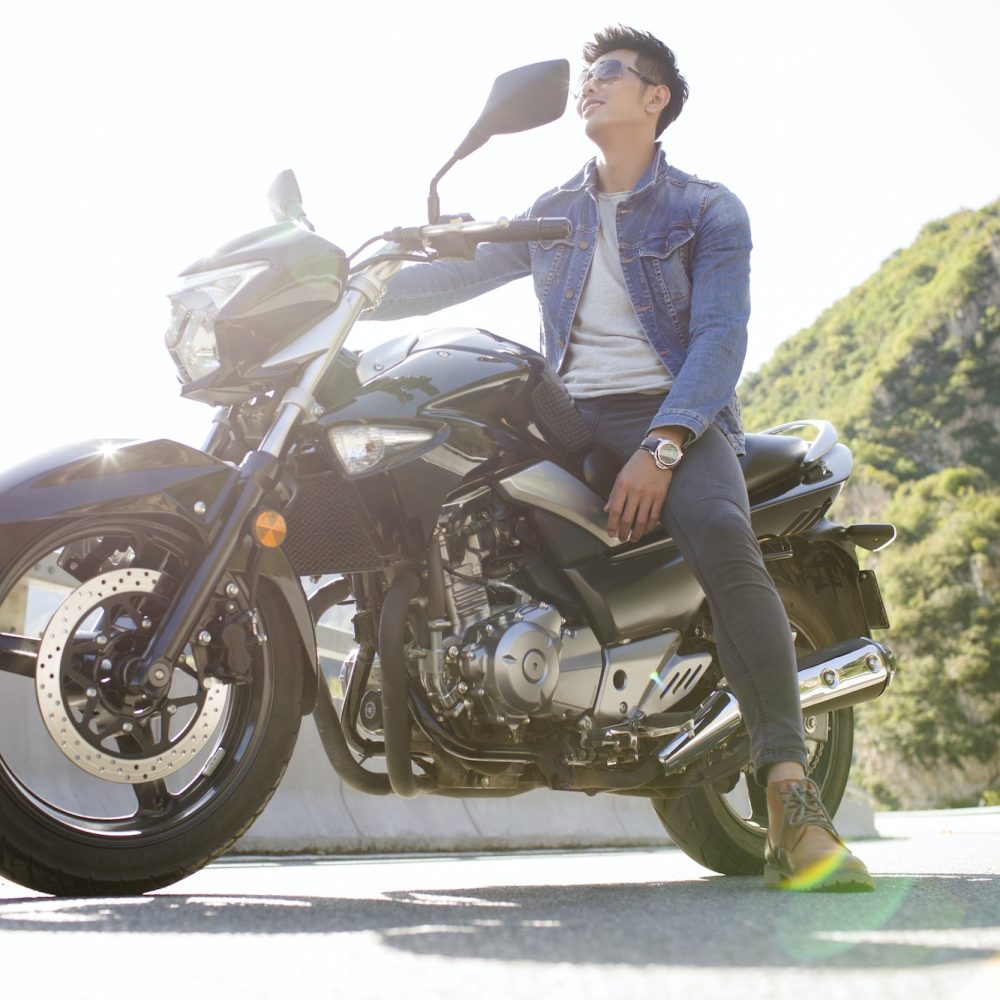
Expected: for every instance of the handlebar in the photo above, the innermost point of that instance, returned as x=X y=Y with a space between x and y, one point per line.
x=530 y=231
x=460 y=237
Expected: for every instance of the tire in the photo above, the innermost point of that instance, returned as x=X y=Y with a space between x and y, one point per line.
x=105 y=791
x=726 y=832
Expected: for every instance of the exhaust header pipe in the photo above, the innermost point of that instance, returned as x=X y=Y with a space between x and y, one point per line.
x=845 y=674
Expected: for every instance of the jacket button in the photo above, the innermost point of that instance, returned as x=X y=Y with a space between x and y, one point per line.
x=584 y=244
x=569 y=293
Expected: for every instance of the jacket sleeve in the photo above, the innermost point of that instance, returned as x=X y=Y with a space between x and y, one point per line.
x=419 y=289
x=720 y=310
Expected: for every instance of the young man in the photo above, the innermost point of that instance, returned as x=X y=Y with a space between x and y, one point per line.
x=644 y=314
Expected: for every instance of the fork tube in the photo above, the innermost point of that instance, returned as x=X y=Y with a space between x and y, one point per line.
x=364 y=290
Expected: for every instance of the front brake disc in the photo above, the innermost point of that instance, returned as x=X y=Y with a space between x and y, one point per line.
x=83 y=708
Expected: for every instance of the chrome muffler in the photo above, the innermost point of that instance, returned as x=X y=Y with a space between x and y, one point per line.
x=845 y=674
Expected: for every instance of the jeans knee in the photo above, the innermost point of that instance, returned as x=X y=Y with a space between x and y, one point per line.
x=720 y=528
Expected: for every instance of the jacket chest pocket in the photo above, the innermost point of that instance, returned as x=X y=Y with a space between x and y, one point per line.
x=666 y=260
x=549 y=260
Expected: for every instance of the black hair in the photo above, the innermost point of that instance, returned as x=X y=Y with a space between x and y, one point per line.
x=654 y=60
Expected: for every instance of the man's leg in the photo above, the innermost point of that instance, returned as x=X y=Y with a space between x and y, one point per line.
x=707 y=514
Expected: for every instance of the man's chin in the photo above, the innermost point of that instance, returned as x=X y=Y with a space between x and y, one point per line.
x=592 y=129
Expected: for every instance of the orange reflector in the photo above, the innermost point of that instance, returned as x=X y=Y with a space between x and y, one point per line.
x=269 y=528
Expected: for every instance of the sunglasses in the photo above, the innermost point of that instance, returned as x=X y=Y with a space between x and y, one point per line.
x=605 y=72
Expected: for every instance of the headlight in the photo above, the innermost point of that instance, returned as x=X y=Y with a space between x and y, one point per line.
x=190 y=338
x=363 y=447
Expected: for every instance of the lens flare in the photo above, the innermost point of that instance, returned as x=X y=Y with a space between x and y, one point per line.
x=821 y=874
x=810 y=932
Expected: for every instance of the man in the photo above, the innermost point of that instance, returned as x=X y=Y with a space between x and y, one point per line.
x=644 y=314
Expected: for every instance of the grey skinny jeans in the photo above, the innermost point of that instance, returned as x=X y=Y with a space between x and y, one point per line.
x=707 y=513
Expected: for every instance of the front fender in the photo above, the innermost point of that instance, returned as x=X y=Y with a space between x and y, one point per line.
x=154 y=477
x=276 y=571
x=141 y=478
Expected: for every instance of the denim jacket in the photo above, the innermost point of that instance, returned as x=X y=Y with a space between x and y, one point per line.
x=685 y=252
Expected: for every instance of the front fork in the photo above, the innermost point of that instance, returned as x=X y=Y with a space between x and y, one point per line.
x=153 y=671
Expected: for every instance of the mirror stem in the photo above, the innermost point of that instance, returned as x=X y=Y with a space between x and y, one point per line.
x=433 y=201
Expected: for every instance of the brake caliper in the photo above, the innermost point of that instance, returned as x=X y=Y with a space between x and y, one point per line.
x=234 y=640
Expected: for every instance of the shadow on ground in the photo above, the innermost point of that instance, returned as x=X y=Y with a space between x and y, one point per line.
x=909 y=921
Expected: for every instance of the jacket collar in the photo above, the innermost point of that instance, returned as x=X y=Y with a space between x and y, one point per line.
x=587 y=177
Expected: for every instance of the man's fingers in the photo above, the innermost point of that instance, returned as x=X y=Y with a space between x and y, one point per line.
x=652 y=516
x=614 y=509
x=636 y=501
x=643 y=521
x=626 y=527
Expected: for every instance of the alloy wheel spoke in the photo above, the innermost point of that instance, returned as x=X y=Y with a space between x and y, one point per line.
x=758 y=801
x=182 y=702
x=143 y=737
x=74 y=678
x=185 y=668
x=152 y=798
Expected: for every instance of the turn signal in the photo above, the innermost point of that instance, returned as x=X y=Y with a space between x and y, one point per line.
x=270 y=529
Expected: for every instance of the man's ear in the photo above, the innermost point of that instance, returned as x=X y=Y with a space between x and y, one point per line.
x=659 y=99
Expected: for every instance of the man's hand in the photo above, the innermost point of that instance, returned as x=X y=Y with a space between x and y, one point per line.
x=637 y=498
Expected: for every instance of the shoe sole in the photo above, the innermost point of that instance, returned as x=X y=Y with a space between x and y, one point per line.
x=839 y=881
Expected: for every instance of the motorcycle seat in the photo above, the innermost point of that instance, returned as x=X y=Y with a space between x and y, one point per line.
x=770 y=458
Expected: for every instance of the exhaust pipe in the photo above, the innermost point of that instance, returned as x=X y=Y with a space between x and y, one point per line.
x=845 y=674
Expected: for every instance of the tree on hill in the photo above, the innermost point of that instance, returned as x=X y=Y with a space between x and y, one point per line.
x=907 y=366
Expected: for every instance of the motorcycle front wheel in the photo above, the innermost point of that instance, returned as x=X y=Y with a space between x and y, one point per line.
x=726 y=830
x=105 y=790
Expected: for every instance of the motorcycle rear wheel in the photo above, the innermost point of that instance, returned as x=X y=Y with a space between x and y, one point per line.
x=104 y=791
x=726 y=831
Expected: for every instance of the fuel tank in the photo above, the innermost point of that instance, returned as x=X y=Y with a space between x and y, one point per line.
x=492 y=403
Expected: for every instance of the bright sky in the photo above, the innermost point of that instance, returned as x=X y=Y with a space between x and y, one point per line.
x=137 y=137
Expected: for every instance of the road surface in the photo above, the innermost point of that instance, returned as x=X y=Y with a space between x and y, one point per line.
x=577 y=924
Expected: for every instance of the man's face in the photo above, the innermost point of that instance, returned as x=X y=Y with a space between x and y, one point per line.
x=616 y=104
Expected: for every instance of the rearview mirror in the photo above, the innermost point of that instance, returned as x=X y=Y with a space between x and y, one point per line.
x=285 y=199
x=521 y=99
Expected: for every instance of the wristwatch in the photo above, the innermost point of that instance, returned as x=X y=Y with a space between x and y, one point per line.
x=666 y=453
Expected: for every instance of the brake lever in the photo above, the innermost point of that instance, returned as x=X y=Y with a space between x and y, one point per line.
x=457 y=244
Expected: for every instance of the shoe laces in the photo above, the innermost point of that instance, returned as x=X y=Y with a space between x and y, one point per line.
x=804 y=807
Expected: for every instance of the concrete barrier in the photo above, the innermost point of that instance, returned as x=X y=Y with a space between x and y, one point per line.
x=313 y=811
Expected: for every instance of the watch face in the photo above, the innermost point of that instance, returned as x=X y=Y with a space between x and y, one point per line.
x=668 y=453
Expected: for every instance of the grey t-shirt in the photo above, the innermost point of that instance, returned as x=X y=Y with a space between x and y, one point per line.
x=608 y=352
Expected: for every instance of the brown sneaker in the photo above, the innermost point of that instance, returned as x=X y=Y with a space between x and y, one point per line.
x=805 y=854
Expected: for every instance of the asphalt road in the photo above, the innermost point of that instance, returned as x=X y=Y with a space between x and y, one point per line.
x=580 y=924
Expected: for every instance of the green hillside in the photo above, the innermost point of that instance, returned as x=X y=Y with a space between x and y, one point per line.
x=907 y=366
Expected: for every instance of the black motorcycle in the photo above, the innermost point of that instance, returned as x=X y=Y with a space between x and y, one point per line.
x=158 y=651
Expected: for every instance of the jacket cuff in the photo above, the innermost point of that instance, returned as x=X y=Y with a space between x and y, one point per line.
x=668 y=417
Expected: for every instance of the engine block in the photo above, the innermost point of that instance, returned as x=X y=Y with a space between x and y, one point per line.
x=515 y=659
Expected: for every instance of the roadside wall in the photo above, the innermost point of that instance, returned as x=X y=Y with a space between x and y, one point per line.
x=313 y=811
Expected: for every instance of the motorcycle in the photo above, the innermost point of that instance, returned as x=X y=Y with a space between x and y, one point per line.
x=158 y=650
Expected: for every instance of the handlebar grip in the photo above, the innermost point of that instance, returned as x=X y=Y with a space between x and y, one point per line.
x=531 y=231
